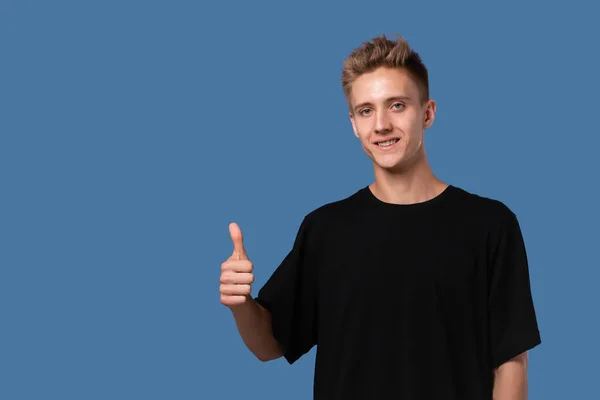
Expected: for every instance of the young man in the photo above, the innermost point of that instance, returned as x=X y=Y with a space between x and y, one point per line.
x=411 y=288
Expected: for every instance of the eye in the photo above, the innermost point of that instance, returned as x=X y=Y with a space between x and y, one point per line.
x=366 y=111
x=398 y=106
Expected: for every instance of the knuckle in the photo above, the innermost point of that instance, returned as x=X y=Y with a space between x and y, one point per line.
x=225 y=289
x=226 y=300
x=225 y=278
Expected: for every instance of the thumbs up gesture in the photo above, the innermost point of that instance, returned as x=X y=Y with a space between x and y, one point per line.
x=236 y=272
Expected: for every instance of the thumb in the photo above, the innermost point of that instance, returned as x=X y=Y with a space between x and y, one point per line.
x=238 y=243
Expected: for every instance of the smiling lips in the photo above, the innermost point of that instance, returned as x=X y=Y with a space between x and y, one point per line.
x=387 y=144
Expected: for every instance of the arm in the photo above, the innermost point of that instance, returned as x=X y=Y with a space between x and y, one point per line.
x=513 y=323
x=254 y=325
x=510 y=379
x=252 y=320
x=281 y=321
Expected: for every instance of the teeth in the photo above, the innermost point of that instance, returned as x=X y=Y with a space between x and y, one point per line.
x=387 y=143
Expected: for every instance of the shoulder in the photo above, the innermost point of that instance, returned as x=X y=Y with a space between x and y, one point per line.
x=320 y=222
x=337 y=210
x=483 y=208
x=489 y=218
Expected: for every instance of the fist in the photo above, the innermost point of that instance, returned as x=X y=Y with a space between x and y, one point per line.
x=236 y=272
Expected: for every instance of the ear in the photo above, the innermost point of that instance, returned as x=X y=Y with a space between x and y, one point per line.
x=430 y=109
x=353 y=122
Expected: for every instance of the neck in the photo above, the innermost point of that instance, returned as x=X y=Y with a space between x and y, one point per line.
x=414 y=184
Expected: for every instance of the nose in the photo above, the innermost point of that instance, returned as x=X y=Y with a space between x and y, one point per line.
x=382 y=123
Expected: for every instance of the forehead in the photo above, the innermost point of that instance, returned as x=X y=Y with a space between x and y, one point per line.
x=382 y=83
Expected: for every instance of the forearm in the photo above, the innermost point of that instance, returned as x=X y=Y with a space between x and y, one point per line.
x=254 y=325
x=510 y=379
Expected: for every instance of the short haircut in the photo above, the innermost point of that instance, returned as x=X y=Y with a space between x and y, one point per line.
x=383 y=52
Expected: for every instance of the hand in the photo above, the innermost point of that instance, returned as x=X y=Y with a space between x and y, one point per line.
x=236 y=272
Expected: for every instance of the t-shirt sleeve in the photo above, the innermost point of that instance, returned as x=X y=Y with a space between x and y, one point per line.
x=290 y=294
x=513 y=323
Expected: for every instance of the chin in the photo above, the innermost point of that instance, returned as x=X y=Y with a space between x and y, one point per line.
x=390 y=161
x=396 y=162
x=389 y=165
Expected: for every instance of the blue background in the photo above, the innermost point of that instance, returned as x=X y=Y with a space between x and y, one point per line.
x=132 y=133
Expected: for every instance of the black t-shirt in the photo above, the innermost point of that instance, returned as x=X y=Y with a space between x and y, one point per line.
x=418 y=301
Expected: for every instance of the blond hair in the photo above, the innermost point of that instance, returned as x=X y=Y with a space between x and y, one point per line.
x=383 y=52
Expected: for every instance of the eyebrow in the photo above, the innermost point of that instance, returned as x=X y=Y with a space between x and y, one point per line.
x=388 y=100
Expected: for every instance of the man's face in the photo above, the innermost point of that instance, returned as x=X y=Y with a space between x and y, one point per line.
x=389 y=118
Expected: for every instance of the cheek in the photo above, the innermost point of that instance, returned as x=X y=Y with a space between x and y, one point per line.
x=361 y=127
x=362 y=131
x=410 y=125
x=364 y=141
x=405 y=120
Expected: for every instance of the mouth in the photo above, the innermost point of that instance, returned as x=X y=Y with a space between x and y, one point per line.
x=387 y=144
